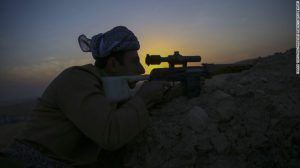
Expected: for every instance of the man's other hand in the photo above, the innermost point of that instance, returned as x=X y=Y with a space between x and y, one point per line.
x=152 y=92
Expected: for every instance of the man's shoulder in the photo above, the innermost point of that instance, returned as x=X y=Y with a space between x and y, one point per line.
x=87 y=68
x=81 y=72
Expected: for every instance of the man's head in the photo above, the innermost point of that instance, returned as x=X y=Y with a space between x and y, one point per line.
x=115 y=51
x=121 y=63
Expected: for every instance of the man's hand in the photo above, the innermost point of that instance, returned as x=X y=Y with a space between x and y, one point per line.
x=152 y=91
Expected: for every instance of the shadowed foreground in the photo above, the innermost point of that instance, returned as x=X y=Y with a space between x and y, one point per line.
x=249 y=119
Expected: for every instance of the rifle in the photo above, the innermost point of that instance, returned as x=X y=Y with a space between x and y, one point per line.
x=191 y=77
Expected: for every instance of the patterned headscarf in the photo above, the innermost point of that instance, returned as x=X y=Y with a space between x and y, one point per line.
x=117 y=39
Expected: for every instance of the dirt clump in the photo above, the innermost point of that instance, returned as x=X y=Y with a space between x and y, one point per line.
x=248 y=119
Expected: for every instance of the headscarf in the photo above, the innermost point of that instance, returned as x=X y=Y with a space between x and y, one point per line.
x=119 y=38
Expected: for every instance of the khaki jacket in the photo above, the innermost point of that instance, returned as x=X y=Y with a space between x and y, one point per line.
x=74 y=120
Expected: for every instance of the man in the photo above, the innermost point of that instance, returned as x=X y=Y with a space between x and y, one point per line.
x=73 y=121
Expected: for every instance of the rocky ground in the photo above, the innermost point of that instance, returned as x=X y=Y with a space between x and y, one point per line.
x=247 y=119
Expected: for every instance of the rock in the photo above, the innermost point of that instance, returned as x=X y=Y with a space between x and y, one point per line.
x=257 y=139
x=224 y=105
x=220 y=95
x=245 y=81
x=264 y=80
x=219 y=142
x=197 y=119
x=225 y=162
x=259 y=92
x=203 y=145
x=216 y=82
x=226 y=109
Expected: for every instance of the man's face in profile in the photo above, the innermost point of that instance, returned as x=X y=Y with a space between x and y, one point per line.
x=131 y=64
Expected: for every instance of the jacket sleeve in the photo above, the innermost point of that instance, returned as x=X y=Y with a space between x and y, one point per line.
x=80 y=97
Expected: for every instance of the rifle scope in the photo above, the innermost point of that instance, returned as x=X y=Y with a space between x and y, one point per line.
x=175 y=59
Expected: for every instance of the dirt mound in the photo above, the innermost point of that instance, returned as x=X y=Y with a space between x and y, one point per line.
x=249 y=119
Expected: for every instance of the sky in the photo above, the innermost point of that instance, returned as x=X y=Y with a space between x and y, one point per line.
x=39 y=37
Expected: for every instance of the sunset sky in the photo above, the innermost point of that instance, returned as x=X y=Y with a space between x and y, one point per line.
x=39 y=37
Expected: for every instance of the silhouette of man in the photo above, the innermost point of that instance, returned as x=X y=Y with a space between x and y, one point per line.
x=73 y=121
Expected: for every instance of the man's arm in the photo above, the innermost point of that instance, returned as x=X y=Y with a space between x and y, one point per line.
x=82 y=100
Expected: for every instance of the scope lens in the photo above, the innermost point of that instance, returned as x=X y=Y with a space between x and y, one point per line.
x=153 y=59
